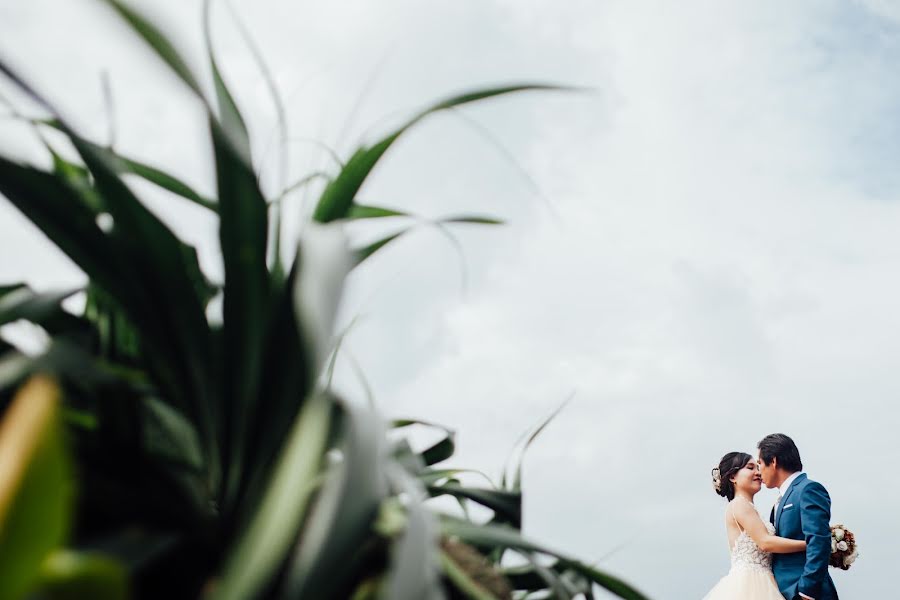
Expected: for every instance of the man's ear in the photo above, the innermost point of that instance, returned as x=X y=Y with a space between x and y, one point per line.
x=774 y=462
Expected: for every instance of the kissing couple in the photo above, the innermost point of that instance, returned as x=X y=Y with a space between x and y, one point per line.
x=788 y=556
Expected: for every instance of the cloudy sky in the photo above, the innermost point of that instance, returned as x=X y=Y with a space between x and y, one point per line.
x=704 y=249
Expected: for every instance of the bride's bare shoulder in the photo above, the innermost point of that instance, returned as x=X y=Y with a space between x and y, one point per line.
x=741 y=509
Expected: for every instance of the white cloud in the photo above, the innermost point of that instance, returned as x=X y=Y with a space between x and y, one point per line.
x=888 y=9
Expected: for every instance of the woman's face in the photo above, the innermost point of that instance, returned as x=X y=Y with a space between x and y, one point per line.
x=748 y=479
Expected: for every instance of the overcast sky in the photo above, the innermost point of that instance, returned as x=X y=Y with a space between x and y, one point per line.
x=712 y=256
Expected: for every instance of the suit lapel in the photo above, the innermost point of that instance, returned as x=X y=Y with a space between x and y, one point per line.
x=787 y=496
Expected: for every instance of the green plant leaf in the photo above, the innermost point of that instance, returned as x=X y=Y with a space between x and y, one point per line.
x=524 y=577
x=413 y=570
x=367 y=251
x=434 y=476
x=262 y=547
x=440 y=450
x=343 y=515
x=158 y=42
x=516 y=484
x=287 y=378
x=501 y=536
x=168 y=434
x=471 y=220
x=230 y=117
x=59 y=213
x=361 y=211
x=372 y=212
x=14 y=368
x=299 y=339
x=304 y=181
x=243 y=231
x=160 y=178
x=35 y=485
x=324 y=262
x=553 y=581
x=507 y=505
x=166 y=294
x=39 y=308
x=78 y=176
x=337 y=199
x=462 y=582
x=231 y=128
x=149 y=280
x=70 y=575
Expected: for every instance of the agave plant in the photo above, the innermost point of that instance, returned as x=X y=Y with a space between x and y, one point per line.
x=209 y=455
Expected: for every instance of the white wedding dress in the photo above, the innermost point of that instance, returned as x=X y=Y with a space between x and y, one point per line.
x=750 y=577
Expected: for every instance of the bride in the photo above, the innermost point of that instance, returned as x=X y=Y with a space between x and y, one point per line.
x=752 y=541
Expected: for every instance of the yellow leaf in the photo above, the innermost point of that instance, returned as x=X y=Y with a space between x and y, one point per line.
x=35 y=485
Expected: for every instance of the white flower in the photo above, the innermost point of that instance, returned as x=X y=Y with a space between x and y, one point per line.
x=838 y=534
x=849 y=560
x=833 y=546
x=842 y=546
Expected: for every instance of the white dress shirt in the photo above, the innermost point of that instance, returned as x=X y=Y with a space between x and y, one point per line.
x=785 y=485
x=782 y=490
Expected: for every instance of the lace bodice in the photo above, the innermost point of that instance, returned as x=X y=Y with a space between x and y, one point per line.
x=745 y=554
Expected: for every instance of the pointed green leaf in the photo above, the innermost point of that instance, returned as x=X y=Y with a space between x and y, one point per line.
x=324 y=262
x=437 y=452
x=299 y=338
x=304 y=181
x=231 y=128
x=507 y=506
x=367 y=251
x=435 y=476
x=262 y=547
x=157 y=41
x=162 y=179
x=517 y=480
x=472 y=220
x=243 y=235
x=361 y=211
x=345 y=510
x=57 y=211
x=22 y=303
x=440 y=451
x=287 y=377
x=229 y=115
x=501 y=536
x=78 y=176
x=79 y=179
x=413 y=571
x=338 y=197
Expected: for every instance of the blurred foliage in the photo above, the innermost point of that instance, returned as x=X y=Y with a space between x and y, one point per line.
x=211 y=459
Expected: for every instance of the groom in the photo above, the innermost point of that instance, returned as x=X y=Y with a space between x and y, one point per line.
x=802 y=512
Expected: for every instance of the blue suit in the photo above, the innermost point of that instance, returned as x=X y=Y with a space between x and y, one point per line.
x=804 y=513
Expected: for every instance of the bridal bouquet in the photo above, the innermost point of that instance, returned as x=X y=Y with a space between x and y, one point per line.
x=844 y=550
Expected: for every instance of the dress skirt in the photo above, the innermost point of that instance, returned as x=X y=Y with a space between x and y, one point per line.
x=746 y=584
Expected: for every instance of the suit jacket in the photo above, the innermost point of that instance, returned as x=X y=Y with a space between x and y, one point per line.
x=805 y=514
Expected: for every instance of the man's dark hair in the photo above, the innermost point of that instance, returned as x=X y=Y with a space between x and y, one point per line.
x=780 y=446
